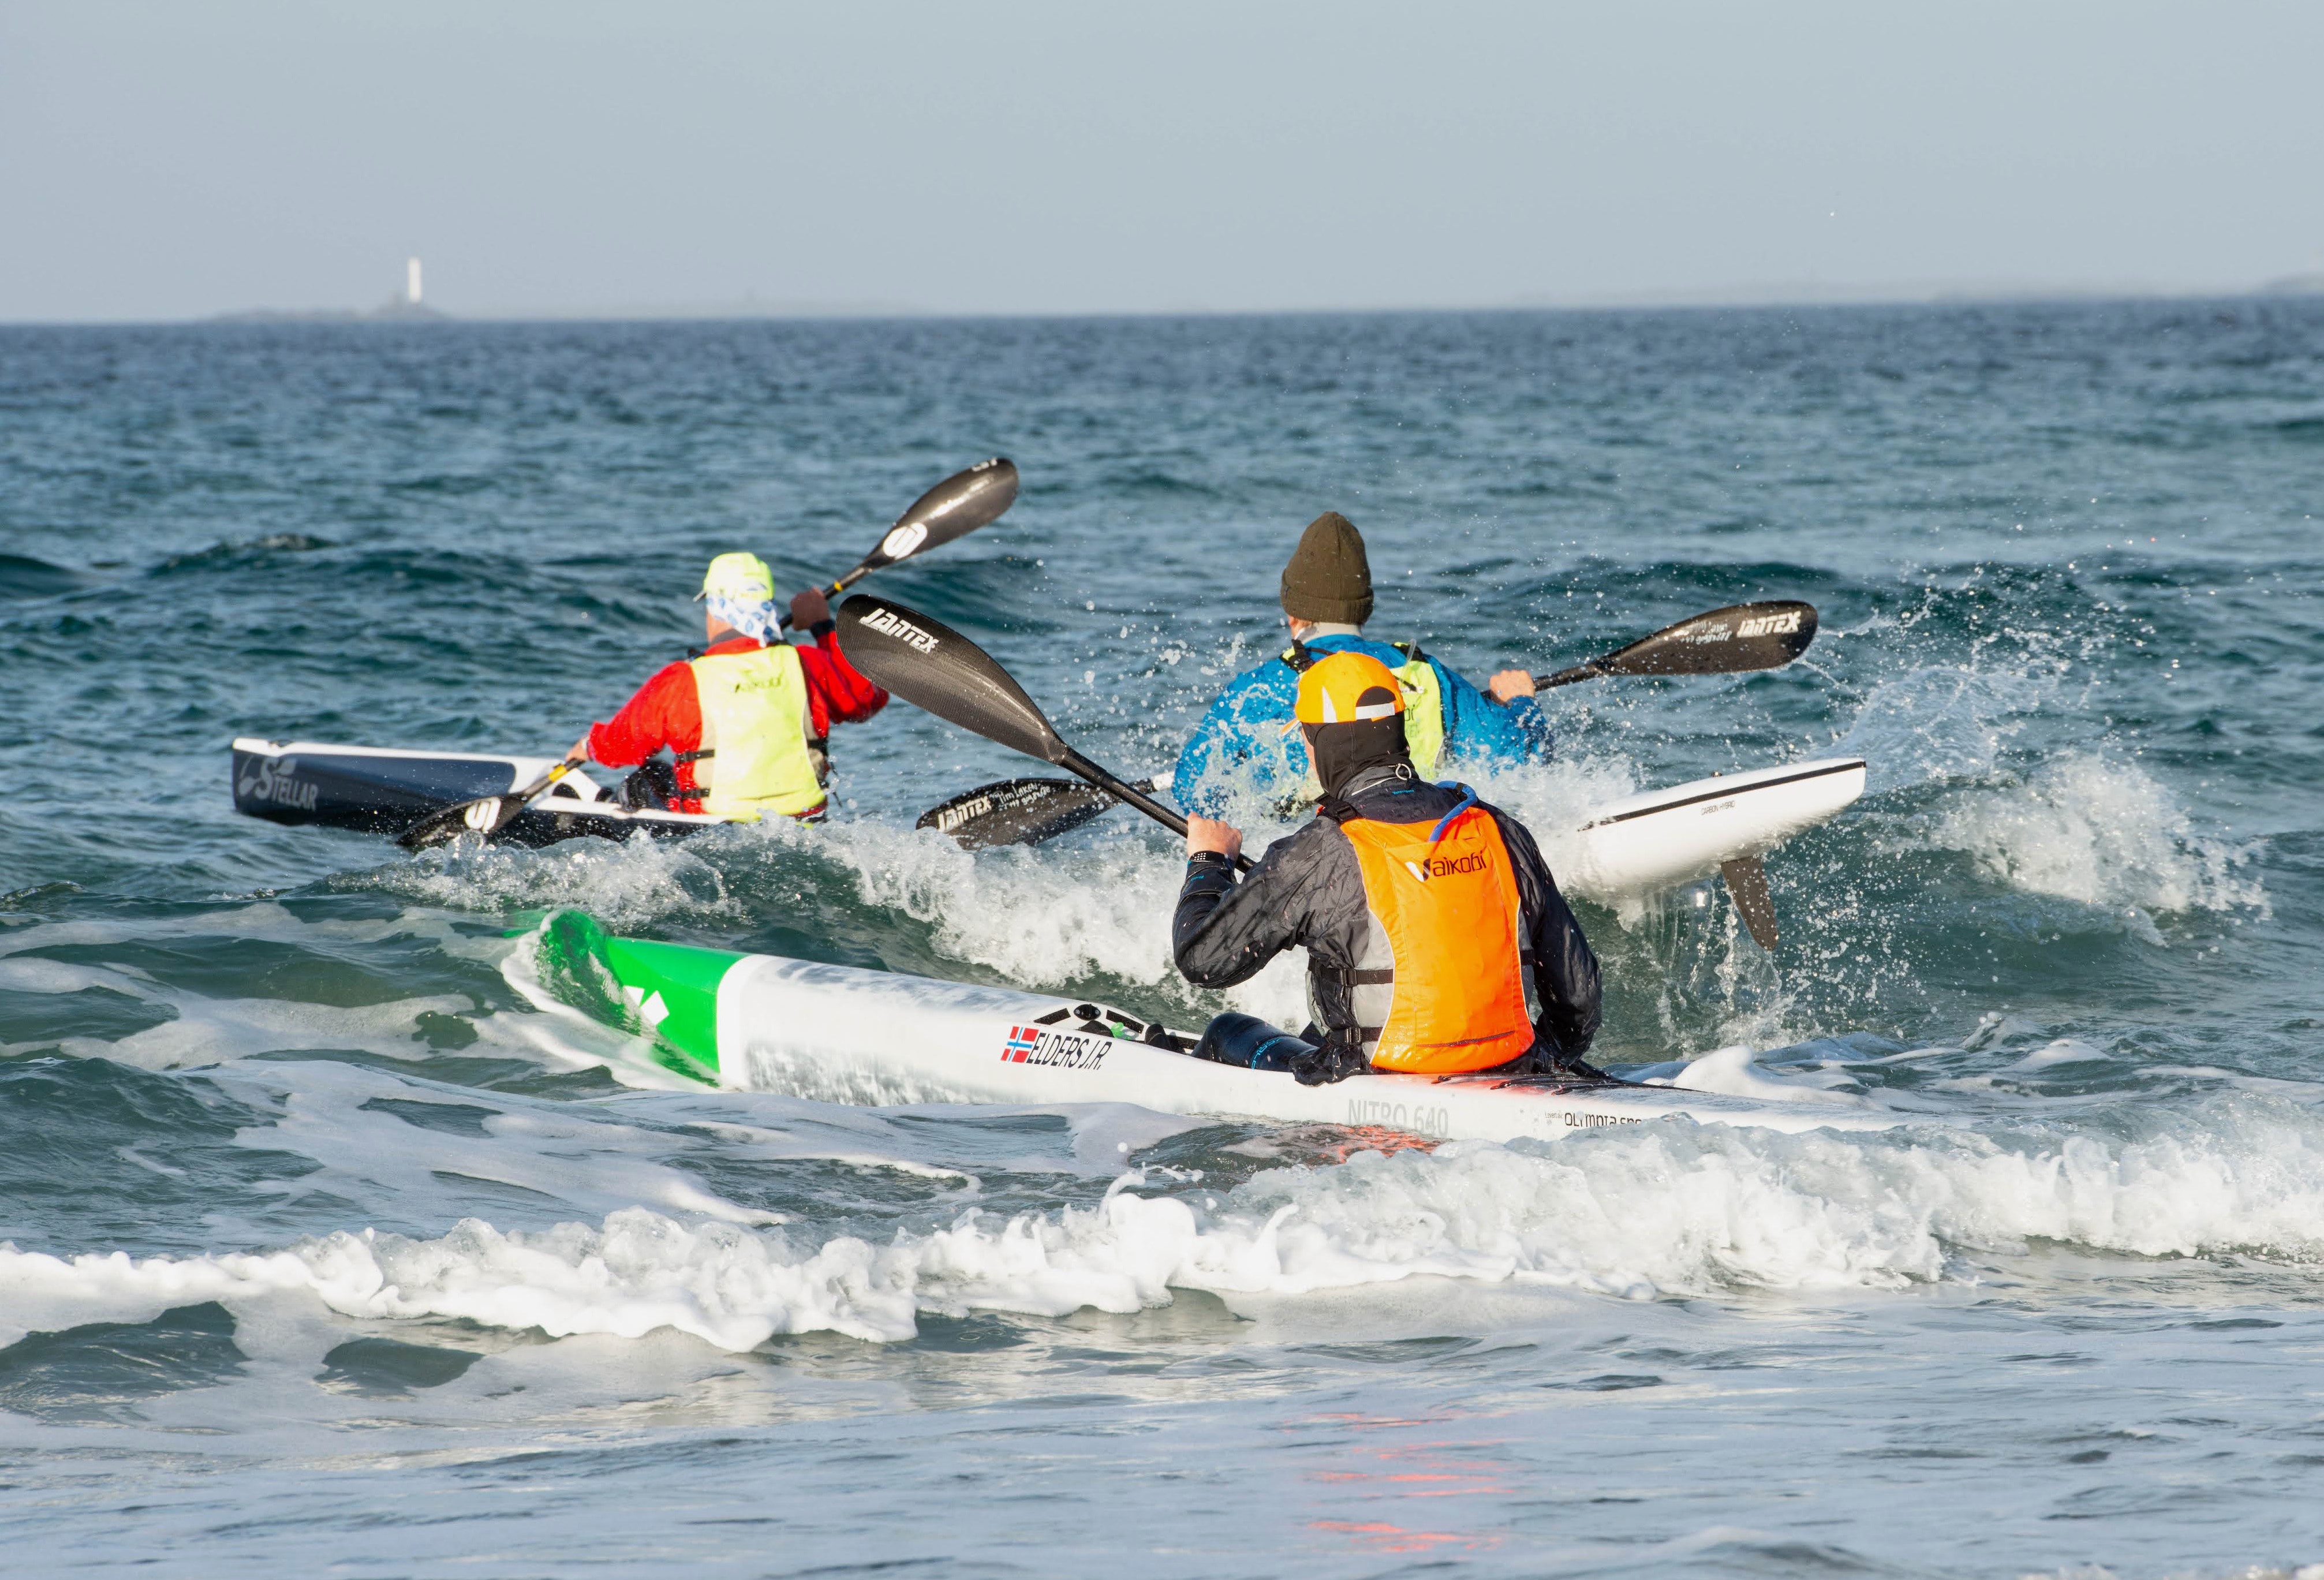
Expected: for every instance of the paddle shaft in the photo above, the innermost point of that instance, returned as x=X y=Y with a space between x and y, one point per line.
x=1568 y=677
x=1122 y=790
x=542 y=784
x=955 y=507
x=832 y=591
x=849 y=580
x=931 y=666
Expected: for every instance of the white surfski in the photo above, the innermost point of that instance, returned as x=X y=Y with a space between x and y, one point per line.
x=842 y=1034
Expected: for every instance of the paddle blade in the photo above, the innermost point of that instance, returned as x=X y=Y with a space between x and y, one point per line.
x=1725 y=642
x=442 y=827
x=932 y=666
x=487 y=815
x=1731 y=640
x=954 y=508
x=1016 y=812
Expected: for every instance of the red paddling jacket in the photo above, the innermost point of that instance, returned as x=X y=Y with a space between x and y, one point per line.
x=667 y=711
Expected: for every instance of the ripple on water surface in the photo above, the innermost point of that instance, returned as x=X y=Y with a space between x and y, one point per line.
x=326 y=1232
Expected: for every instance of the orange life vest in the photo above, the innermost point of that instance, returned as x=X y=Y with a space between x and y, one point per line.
x=1446 y=898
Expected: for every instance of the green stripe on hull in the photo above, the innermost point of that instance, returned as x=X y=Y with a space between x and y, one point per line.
x=668 y=992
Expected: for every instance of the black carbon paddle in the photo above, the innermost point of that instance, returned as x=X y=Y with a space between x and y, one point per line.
x=1732 y=640
x=954 y=508
x=933 y=667
x=1736 y=639
x=1018 y=811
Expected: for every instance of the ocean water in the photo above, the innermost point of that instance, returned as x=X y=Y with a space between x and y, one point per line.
x=331 y=1249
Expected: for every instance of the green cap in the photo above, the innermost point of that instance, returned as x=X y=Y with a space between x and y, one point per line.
x=739 y=575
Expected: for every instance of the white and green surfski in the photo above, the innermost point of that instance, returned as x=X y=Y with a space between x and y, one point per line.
x=842 y=1034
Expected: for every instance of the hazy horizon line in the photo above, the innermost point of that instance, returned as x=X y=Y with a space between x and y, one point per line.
x=1803 y=295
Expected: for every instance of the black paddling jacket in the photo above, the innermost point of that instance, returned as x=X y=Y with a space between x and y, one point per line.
x=1309 y=890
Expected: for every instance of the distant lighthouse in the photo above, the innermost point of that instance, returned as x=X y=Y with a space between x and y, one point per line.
x=412 y=281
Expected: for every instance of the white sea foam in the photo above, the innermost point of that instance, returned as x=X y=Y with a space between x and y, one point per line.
x=1554 y=800
x=2104 y=833
x=1942 y=721
x=260 y=919
x=628 y=885
x=205 y=1029
x=2237 y=1571
x=2062 y=1051
x=1049 y=918
x=1056 y=915
x=570 y=1157
x=1733 y=1071
x=1673 y=1209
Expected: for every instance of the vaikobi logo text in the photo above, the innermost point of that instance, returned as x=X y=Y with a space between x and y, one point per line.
x=1444 y=866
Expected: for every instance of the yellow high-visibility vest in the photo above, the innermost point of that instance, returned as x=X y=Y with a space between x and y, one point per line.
x=755 y=720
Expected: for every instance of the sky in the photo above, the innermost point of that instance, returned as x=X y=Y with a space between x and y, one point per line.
x=163 y=159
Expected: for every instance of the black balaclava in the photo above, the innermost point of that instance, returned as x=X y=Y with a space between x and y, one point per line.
x=1341 y=752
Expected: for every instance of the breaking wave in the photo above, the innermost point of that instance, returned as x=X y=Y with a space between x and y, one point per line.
x=1676 y=1210
x=2103 y=833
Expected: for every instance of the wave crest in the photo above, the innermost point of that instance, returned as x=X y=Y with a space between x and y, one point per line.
x=1676 y=1210
x=2102 y=832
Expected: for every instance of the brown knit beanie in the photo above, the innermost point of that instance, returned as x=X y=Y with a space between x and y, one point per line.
x=1328 y=579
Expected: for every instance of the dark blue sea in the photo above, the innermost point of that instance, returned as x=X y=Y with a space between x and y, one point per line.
x=331 y=1248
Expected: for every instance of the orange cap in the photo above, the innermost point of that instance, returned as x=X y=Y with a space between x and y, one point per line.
x=1345 y=687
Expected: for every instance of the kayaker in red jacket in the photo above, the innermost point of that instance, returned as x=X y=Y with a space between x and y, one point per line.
x=747 y=723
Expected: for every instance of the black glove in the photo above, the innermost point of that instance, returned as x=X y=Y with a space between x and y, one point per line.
x=1334 y=1061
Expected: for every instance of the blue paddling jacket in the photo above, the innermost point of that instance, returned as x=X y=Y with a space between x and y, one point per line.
x=1249 y=738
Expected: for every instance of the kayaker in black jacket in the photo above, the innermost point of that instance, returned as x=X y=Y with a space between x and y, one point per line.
x=1438 y=942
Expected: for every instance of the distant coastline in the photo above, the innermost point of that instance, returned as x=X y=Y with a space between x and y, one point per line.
x=1741 y=298
x=396 y=310
x=1913 y=293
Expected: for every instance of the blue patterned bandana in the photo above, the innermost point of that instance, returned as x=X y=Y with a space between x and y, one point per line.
x=756 y=617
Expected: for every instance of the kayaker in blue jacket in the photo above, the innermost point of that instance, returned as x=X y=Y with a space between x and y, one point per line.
x=1248 y=737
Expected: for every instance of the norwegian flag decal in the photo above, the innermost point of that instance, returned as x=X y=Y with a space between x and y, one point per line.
x=1022 y=1040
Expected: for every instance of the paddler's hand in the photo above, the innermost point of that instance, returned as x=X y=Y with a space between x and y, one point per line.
x=1209 y=834
x=809 y=609
x=579 y=751
x=1509 y=685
